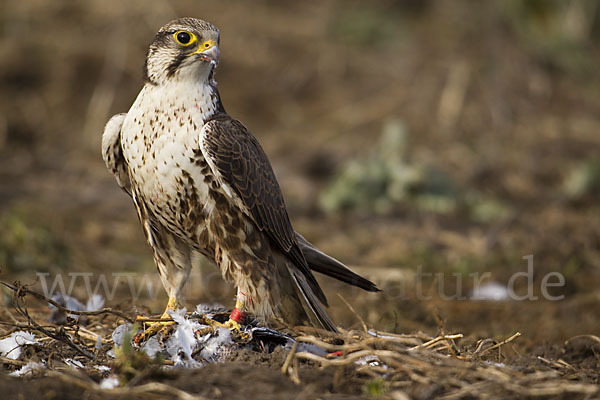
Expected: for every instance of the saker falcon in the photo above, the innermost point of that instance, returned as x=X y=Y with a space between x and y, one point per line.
x=201 y=183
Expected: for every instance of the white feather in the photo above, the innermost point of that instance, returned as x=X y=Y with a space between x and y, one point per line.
x=10 y=347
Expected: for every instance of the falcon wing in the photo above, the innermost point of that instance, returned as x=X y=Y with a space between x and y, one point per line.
x=112 y=153
x=237 y=159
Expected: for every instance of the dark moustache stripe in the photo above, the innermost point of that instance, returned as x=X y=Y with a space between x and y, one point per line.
x=174 y=66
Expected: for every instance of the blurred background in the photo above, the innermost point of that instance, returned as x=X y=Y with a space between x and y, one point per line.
x=421 y=142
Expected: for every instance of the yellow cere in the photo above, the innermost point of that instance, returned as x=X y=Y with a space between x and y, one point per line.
x=205 y=46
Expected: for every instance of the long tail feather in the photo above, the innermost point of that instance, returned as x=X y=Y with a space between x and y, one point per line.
x=324 y=264
x=310 y=303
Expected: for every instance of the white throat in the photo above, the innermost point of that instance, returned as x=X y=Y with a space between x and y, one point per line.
x=197 y=98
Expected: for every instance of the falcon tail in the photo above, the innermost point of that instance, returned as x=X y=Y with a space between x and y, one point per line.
x=321 y=262
x=311 y=305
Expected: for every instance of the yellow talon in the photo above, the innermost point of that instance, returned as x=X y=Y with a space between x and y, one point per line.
x=155 y=327
x=229 y=324
x=232 y=325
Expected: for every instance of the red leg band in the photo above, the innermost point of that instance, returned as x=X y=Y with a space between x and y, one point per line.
x=237 y=316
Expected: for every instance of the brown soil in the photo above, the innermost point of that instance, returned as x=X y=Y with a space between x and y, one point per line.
x=499 y=98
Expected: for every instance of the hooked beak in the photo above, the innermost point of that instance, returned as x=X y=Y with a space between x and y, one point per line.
x=208 y=51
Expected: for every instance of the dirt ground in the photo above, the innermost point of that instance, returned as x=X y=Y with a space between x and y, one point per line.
x=429 y=145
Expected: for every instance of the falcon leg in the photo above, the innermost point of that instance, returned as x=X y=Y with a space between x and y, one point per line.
x=236 y=318
x=173 y=262
x=157 y=326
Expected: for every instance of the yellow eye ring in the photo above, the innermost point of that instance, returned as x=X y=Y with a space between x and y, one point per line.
x=184 y=38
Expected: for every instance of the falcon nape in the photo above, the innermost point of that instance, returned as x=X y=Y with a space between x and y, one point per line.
x=201 y=183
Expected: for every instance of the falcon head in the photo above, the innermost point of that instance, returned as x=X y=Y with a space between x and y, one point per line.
x=186 y=48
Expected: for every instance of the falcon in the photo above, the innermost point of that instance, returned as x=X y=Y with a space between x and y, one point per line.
x=202 y=184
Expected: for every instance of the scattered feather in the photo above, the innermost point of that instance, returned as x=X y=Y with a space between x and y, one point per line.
x=490 y=291
x=371 y=360
x=152 y=347
x=59 y=316
x=109 y=383
x=184 y=339
x=217 y=347
x=212 y=308
x=10 y=347
x=95 y=303
x=119 y=334
x=102 y=368
x=68 y=302
x=28 y=368
x=73 y=363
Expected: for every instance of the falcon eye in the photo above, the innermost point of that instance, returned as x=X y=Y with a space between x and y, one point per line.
x=184 y=38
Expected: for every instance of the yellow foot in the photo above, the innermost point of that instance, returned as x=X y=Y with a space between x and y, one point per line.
x=163 y=326
x=233 y=326
x=153 y=328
